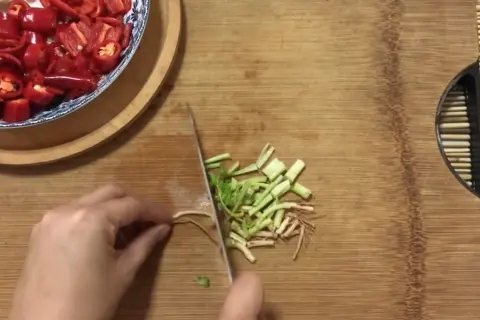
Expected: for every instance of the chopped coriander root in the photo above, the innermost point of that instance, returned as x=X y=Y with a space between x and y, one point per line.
x=243 y=248
x=256 y=215
x=180 y=214
x=202 y=281
x=300 y=242
x=191 y=221
x=255 y=211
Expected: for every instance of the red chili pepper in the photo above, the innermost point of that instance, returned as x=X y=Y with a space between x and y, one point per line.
x=56 y=51
x=7 y=43
x=115 y=34
x=71 y=42
x=71 y=81
x=115 y=7
x=35 y=76
x=82 y=37
x=40 y=20
x=33 y=37
x=100 y=8
x=9 y=27
x=98 y=35
x=74 y=2
x=18 y=47
x=37 y=94
x=62 y=6
x=106 y=56
x=127 y=4
x=8 y=59
x=75 y=93
x=114 y=22
x=81 y=63
x=85 y=27
x=86 y=7
x=16 y=110
x=127 y=33
x=17 y=8
x=45 y=3
x=61 y=27
x=55 y=91
x=11 y=85
x=62 y=65
x=36 y=57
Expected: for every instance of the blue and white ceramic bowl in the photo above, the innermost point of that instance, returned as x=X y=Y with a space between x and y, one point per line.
x=138 y=16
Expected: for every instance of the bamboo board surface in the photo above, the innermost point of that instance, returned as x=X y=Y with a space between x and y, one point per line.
x=351 y=88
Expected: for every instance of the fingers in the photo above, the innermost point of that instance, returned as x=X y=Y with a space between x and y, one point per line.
x=137 y=252
x=244 y=300
x=123 y=211
x=102 y=194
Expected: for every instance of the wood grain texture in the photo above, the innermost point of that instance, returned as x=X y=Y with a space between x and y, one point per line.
x=351 y=88
x=100 y=120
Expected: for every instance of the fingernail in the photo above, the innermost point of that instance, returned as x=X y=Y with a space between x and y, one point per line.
x=162 y=231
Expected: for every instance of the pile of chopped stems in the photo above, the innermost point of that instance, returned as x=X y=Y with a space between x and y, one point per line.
x=252 y=200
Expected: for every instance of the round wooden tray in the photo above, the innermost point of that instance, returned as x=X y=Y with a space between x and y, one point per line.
x=113 y=110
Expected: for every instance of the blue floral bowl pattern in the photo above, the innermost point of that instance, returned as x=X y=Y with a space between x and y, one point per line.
x=138 y=16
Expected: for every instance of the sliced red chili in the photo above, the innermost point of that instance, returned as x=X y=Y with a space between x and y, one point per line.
x=127 y=5
x=16 y=110
x=81 y=63
x=16 y=8
x=86 y=7
x=20 y=45
x=98 y=35
x=99 y=10
x=34 y=37
x=36 y=57
x=11 y=85
x=127 y=33
x=40 y=20
x=85 y=27
x=82 y=38
x=65 y=8
x=10 y=60
x=62 y=65
x=115 y=7
x=74 y=2
x=7 y=43
x=56 y=51
x=71 y=42
x=75 y=93
x=71 y=81
x=106 y=56
x=35 y=76
x=55 y=91
x=114 y=22
x=61 y=27
x=37 y=94
x=45 y=3
x=115 y=34
x=9 y=27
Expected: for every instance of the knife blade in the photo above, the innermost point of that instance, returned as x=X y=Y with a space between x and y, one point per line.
x=221 y=241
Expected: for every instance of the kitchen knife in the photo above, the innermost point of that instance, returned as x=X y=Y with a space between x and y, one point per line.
x=221 y=239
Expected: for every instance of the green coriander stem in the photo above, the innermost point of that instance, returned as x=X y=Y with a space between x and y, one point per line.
x=218 y=158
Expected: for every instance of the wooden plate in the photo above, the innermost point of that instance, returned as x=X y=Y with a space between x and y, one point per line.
x=112 y=111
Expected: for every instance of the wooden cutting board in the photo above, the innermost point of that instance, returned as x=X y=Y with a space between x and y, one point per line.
x=352 y=88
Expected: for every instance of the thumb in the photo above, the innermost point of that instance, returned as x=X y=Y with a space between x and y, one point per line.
x=137 y=252
x=244 y=300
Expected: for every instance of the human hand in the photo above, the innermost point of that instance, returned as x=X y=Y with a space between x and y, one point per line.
x=72 y=270
x=244 y=300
